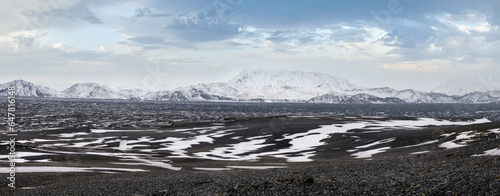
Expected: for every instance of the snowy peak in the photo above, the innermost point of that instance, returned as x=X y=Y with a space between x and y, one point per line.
x=28 y=89
x=286 y=85
x=284 y=79
x=463 y=87
x=92 y=90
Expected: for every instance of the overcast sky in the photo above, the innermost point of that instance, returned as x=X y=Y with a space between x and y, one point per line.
x=166 y=44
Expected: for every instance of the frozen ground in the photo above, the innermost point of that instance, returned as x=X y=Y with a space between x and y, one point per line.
x=262 y=143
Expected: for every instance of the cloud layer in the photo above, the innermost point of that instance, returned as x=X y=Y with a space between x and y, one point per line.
x=416 y=43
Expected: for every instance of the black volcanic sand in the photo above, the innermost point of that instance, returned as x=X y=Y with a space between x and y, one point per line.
x=334 y=171
x=447 y=172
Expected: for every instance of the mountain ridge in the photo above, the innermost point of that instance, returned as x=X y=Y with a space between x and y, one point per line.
x=261 y=86
x=463 y=87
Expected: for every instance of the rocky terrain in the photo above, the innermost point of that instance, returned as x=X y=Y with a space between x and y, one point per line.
x=122 y=147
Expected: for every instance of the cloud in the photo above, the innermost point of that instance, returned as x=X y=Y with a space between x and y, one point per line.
x=463 y=38
x=102 y=49
x=34 y=60
x=148 y=40
x=417 y=65
x=146 y=12
x=453 y=36
x=26 y=40
x=409 y=34
x=204 y=26
x=154 y=42
x=54 y=14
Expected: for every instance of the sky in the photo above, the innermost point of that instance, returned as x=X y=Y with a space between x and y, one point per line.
x=160 y=45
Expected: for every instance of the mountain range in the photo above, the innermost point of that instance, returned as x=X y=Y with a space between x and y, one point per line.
x=271 y=86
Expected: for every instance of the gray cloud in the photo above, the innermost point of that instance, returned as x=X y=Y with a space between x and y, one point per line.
x=148 y=40
x=205 y=26
x=48 y=12
x=220 y=33
x=146 y=12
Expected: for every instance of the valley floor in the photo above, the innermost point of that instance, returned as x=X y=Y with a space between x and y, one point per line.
x=446 y=172
x=355 y=156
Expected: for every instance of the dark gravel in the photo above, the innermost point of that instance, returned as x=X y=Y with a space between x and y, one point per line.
x=444 y=172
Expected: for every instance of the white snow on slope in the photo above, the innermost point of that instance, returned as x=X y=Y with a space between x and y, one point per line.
x=492 y=152
x=462 y=87
x=284 y=84
x=92 y=90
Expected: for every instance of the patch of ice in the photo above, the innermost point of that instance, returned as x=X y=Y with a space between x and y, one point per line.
x=369 y=153
x=422 y=122
x=43 y=161
x=303 y=144
x=82 y=144
x=56 y=144
x=198 y=128
x=17 y=160
x=124 y=145
x=465 y=137
x=116 y=130
x=447 y=134
x=41 y=140
x=460 y=140
x=492 y=152
x=179 y=145
x=259 y=137
x=420 y=152
x=210 y=169
x=24 y=169
x=20 y=155
x=71 y=134
x=118 y=169
x=495 y=130
x=450 y=144
x=257 y=167
x=234 y=151
x=145 y=162
x=377 y=143
x=421 y=144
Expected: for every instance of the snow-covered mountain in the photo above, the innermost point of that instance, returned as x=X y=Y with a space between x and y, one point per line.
x=135 y=93
x=480 y=97
x=28 y=89
x=354 y=99
x=200 y=92
x=260 y=85
x=463 y=87
x=286 y=85
x=182 y=95
x=268 y=86
x=408 y=95
x=92 y=90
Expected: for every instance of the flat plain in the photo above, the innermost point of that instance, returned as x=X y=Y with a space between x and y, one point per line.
x=108 y=147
